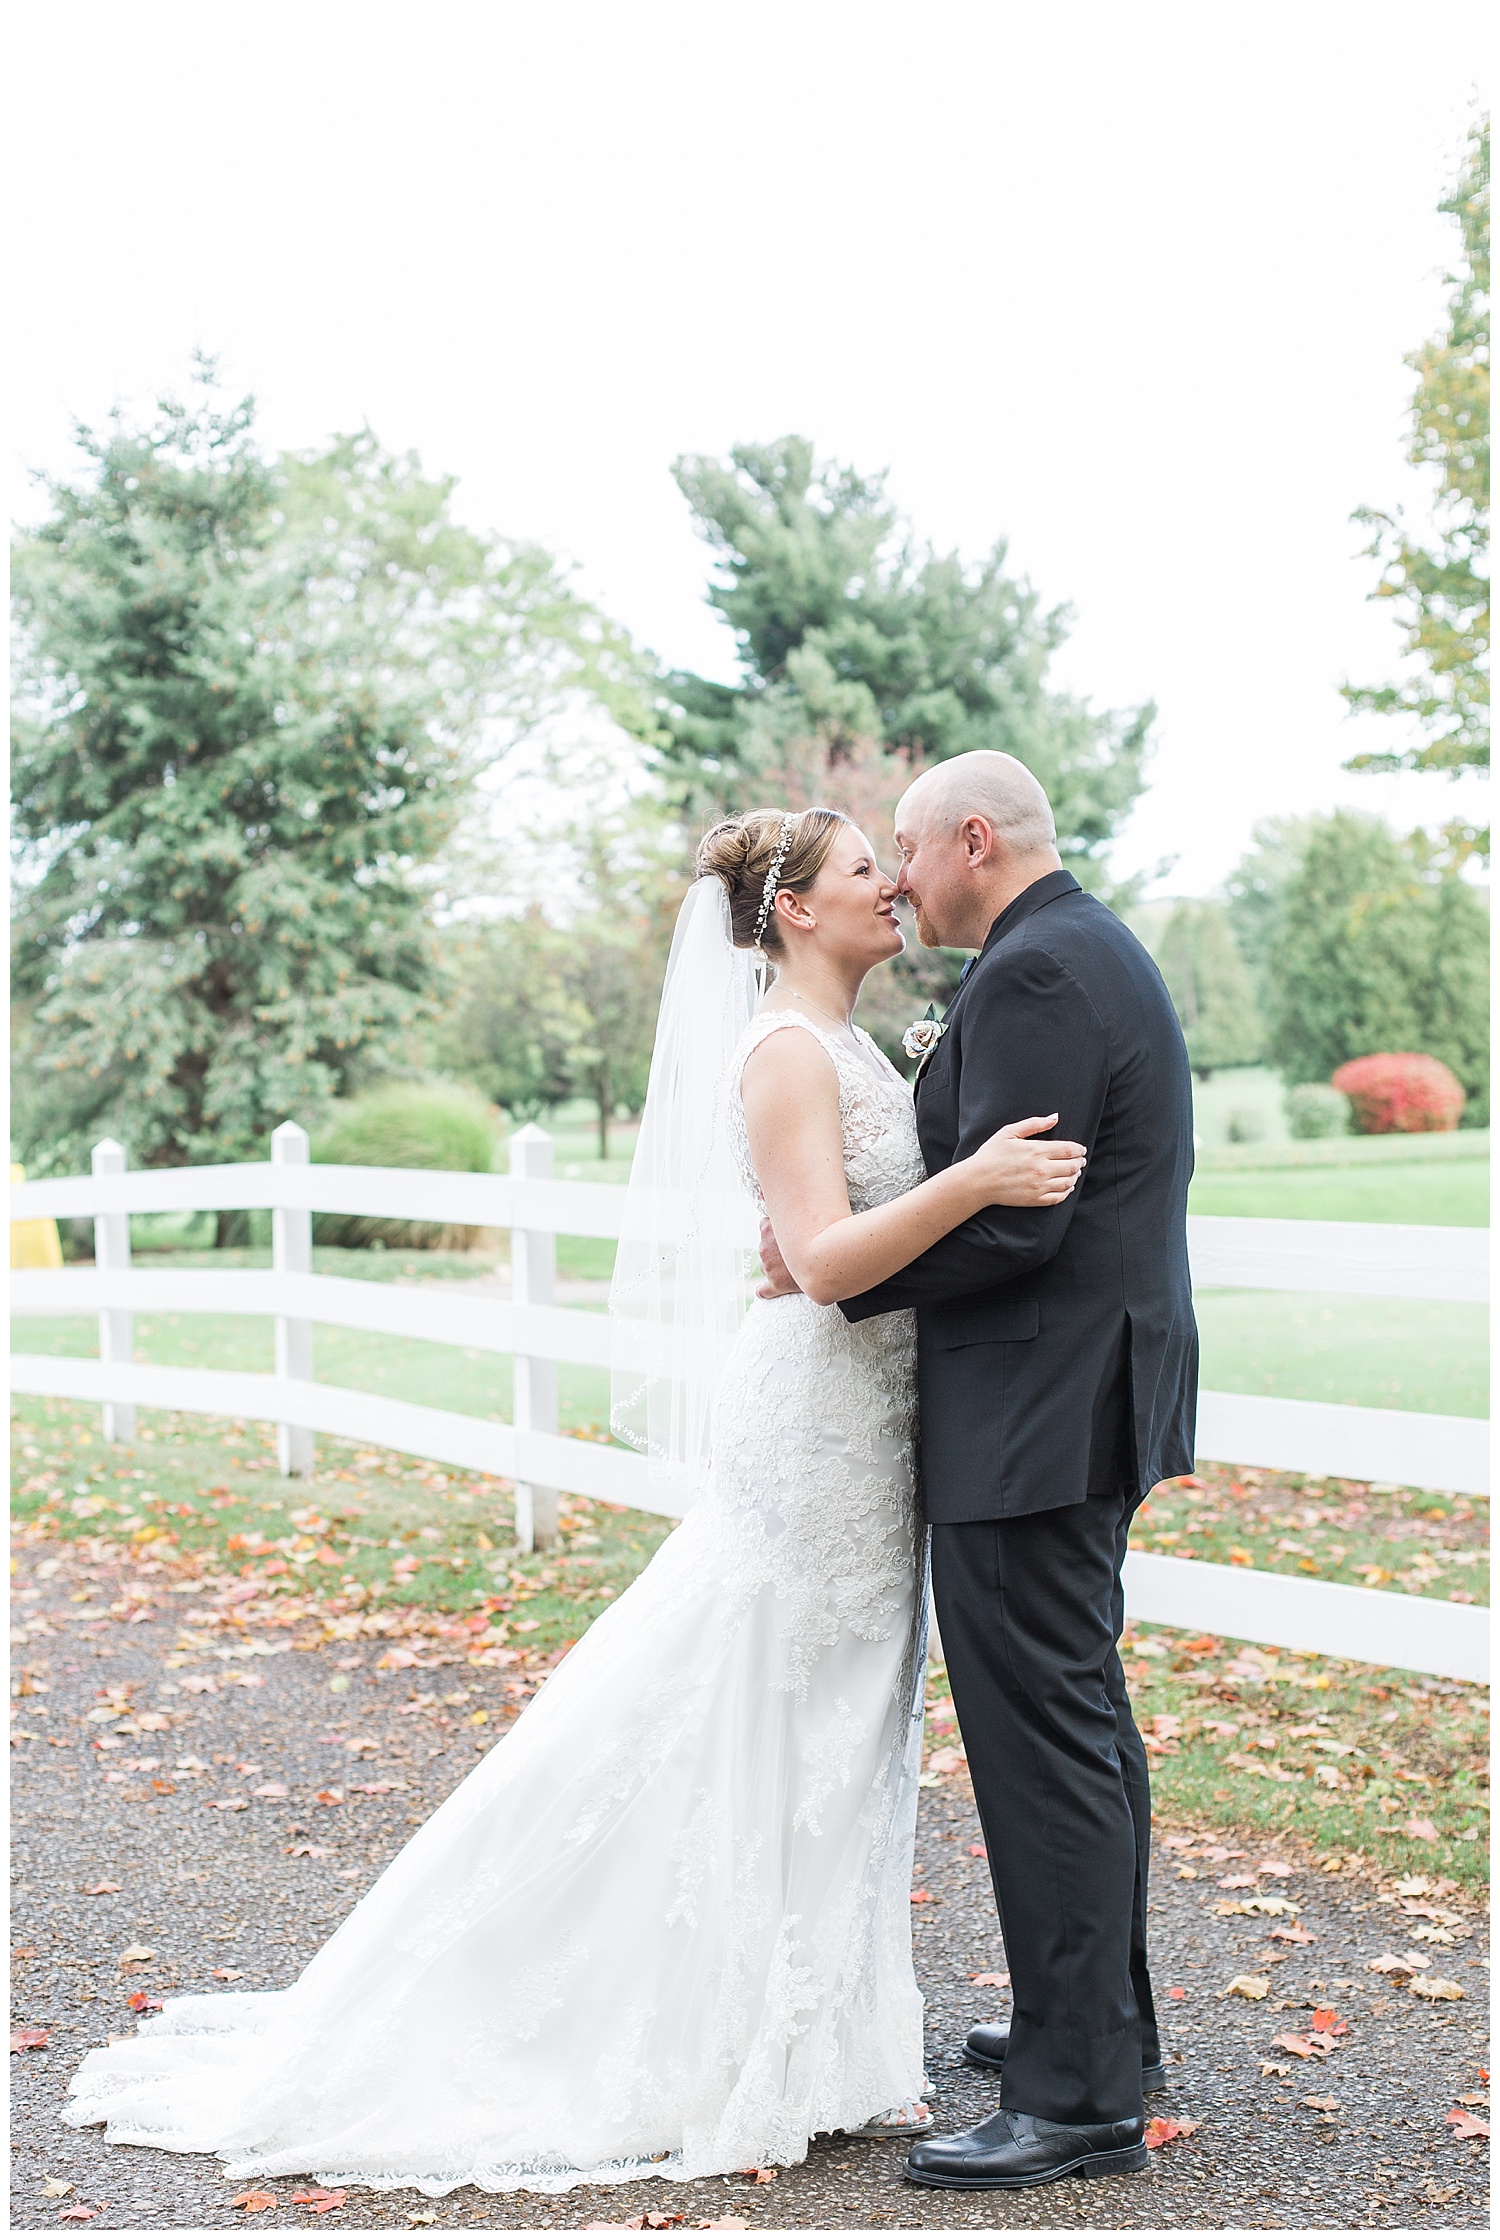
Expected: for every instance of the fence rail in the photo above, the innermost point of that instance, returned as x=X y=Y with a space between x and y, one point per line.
x=1249 y=1429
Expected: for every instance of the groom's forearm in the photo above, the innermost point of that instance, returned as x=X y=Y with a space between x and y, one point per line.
x=1033 y=1045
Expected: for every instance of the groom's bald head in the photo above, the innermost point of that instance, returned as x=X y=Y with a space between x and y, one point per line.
x=973 y=832
x=994 y=786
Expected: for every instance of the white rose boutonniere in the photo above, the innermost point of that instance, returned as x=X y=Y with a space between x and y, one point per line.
x=923 y=1035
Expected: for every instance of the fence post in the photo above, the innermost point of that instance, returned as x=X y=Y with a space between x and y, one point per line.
x=291 y=1255
x=533 y=1273
x=111 y=1254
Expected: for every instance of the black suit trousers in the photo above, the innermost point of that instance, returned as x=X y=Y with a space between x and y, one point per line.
x=1030 y=1610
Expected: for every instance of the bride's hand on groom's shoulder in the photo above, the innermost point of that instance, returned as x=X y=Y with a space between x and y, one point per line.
x=1014 y=1170
x=779 y=1282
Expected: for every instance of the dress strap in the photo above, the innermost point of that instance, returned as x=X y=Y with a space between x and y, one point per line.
x=766 y=1024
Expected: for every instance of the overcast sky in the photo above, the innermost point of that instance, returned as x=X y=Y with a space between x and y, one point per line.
x=1131 y=286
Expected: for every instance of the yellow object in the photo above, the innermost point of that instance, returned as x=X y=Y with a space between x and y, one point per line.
x=33 y=1244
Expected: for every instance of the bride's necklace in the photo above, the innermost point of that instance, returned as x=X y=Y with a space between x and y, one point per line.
x=846 y=1023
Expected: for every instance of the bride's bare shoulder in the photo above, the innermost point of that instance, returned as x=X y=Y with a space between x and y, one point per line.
x=792 y=1061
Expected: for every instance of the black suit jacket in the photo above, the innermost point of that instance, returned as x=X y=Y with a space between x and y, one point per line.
x=1025 y=1315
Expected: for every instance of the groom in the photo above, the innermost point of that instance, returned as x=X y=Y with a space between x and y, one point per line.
x=1058 y=1361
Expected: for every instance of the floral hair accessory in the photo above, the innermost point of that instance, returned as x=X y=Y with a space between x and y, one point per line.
x=768 y=891
x=923 y=1035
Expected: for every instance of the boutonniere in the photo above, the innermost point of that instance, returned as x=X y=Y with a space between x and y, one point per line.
x=923 y=1035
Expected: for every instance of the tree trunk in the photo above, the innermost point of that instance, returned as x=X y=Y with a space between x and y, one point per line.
x=231 y=1230
x=601 y=1098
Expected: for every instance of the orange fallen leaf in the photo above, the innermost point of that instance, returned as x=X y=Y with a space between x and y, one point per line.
x=1322 y=2102
x=1295 y=2044
x=78 y=2214
x=1327 y=2018
x=141 y=2002
x=991 y=1983
x=307 y=1850
x=1176 y=1991
x=921 y=1897
x=227 y=1975
x=757 y=2177
x=253 y=2202
x=28 y=2041
x=330 y=1796
x=978 y=1851
x=1466 y=2125
x=1161 y=2130
x=101 y=1890
x=1423 y=1830
x=320 y=2200
x=1292 y=1932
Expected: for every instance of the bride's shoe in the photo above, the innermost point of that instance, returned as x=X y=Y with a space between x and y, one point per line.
x=913 y=2119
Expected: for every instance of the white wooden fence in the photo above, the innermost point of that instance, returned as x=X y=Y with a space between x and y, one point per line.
x=1449 y=1452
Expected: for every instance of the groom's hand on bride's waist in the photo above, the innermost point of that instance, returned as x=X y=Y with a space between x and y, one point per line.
x=779 y=1283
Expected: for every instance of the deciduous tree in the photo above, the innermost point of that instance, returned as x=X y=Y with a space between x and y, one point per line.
x=1439 y=589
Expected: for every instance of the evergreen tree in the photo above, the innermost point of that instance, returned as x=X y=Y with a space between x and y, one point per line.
x=847 y=631
x=252 y=697
x=1439 y=591
x=1210 y=988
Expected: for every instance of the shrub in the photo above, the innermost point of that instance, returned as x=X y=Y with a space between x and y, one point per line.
x=1247 y=1124
x=1401 y=1092
x=1316 y=1109
x=431 y=1124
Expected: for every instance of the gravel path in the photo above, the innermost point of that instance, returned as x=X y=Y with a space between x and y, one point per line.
x=204 y=1890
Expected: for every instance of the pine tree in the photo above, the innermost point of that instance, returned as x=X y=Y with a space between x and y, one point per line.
x=253 y=695
x=848 y=631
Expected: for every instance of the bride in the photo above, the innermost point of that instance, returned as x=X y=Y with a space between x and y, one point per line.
x=662 y=1930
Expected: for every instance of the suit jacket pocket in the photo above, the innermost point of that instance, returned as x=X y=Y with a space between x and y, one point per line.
x=994 y=1322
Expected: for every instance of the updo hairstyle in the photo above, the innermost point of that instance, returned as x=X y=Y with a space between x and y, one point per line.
x=741 y=851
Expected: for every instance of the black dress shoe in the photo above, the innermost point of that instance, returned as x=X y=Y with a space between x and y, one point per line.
x=1012 y=2150
x=984 y=2048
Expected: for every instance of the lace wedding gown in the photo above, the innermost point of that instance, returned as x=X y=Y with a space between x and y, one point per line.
x=663 y=1929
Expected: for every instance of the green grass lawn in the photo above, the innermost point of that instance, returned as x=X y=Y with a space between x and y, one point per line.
x=1427 y=1356
x=1450 y=1193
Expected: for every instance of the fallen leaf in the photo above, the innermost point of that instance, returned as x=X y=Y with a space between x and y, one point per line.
x=1466 y=2125
x=78 y=2214
x=319 y=2200
x=1319 y=2100
x=1237 y=1882
x=1275 y=2068
x=101 y=1889
x=1292 y=1932
x=1328 y=2020
x=307 y=1850
x=1161 y=2130
x=330 y=1796
x=1436 y=1987
x=141 y=2002
x=253 y=2202
x=921 y=1897
x=1273 y=1866
x=271 y=1789
x=1246 y=1987
x=723 y=2224
x=1395 y=1965
x=429 y=2216
x=228 y=1975
x=55 y=2188
x=1295 y=2044
x=28 y=2041
x=977 y=1851
x=991 y=1983
x=227 y=1804
x=1176 y=1991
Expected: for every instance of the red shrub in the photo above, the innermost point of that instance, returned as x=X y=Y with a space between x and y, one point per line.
x=1401 y=1092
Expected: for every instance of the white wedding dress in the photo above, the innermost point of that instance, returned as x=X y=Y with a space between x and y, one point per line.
x=663 y=1930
